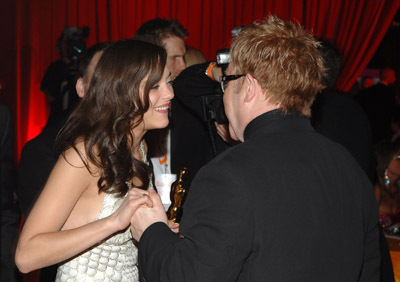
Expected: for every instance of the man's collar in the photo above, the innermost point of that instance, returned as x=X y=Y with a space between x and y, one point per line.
x=276 y=121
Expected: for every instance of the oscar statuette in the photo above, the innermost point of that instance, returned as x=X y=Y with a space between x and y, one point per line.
x=178 y=196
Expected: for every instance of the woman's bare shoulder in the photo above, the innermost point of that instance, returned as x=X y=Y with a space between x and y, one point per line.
x=77 y=157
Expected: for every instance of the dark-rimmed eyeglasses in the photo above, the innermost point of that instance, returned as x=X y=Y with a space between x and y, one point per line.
x=226 y=78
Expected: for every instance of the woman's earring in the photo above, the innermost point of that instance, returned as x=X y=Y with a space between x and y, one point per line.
x=387 y=180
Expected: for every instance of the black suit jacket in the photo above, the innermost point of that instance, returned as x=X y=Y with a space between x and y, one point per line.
x=9 y=212
x=286 y=205
x=38 y=158
x=379 y=103
x=337 y=116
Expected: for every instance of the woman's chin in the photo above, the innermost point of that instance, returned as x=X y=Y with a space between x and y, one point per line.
x=159 y=125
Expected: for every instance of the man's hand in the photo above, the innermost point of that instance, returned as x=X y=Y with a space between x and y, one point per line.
x=223 y=132
x=173 y=226
x=216 y=73
x=146 y=216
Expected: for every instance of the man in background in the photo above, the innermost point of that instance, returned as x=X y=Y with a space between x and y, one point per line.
x=9 y=211
x=169 y=34
x=379 y=103
x=337 y=116
x=58 y=83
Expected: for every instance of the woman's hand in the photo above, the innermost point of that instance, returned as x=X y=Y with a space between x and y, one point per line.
x=135 y=198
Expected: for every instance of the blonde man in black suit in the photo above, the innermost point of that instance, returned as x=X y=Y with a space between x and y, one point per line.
x=286 y=204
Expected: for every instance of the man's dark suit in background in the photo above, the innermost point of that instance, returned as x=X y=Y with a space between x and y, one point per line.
x=38 y=158
x=379 y=103
x=337 y=116
x=9 y=211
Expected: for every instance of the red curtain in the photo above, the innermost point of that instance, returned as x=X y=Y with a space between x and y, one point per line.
x=356 y=27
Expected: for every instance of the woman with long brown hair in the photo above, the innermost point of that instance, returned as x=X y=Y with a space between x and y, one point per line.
x=82 y=216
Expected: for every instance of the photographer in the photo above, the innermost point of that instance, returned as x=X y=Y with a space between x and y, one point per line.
x=58 y=83
x=199 y=95
x=198 y=115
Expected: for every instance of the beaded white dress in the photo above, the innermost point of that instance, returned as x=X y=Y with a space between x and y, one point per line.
x=112 y=260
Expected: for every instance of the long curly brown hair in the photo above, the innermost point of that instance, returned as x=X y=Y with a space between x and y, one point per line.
x=113 y=106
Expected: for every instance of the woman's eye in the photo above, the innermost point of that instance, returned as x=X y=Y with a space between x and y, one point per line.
x=155 y=86
x=170 y=82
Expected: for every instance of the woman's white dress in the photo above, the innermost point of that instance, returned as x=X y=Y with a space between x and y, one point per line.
x=112 y=260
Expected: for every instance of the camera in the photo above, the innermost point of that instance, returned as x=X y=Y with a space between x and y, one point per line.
x=223 y=56
x=70 y=45
x=75 y=44
x=213 y=107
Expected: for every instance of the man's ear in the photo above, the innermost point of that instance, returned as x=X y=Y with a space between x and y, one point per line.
x=251 y=90
x=80 y=87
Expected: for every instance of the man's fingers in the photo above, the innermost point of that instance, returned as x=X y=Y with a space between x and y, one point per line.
x=173 y=226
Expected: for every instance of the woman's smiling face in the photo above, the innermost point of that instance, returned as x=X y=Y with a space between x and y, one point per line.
x=160 y=97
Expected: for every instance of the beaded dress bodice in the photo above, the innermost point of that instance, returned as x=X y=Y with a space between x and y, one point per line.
x=112 y=260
